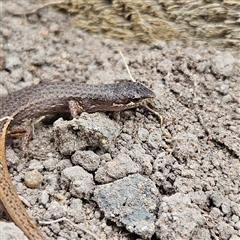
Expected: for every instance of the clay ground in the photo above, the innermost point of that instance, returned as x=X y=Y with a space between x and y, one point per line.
x=193 y=159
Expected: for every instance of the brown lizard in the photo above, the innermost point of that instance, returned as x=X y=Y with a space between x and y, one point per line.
x=58 y=97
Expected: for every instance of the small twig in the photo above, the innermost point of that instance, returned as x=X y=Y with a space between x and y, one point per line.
x=24 y=200
x=125 y=63
x=72 y=223
x=41 y=7
x=158 y=115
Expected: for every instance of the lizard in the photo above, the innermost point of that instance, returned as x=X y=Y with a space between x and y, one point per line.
x=53 y=98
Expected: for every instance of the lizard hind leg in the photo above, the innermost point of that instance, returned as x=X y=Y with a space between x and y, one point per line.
x=22 y=130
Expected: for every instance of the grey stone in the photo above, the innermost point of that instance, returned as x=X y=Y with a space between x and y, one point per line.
x=79 y=182
x=86 y=159
x=95 y=130
x=223 y=64
x=11 y=231
x=132 y=202
x=217 y=199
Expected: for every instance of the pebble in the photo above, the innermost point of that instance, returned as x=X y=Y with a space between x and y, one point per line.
x=33 y=178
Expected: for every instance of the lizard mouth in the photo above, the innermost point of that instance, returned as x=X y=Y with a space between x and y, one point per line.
x=140 y=102
x=133 y=103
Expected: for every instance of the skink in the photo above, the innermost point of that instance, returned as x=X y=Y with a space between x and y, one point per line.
x=52 y=98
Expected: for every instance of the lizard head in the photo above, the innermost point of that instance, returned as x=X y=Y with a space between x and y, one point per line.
x=131 y=95
x=121 y=96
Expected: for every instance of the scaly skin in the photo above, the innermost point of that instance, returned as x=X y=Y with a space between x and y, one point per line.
x=61 y=97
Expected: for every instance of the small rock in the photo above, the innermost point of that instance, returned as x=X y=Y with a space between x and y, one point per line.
x=145 y=162
x=143 y=134
x=38 y=58
x=131 y=201
x=86 y=159
x=54 y=28
x=17 y=75
x=215 y=213
x=226 y=208
x=137 y=150
x=155 y=139
x=77 y=212
x=160 y=45
x=33 y=178
x=44 y=197
x=95 y=130
x=56 y=211
x=119 y=167
x=225 y=230
x=11 y=231
x=223 y=64
x=236 y=209
x=202 y=66
x=78 y=181
x=165 y=66
x=51 y=163
x=12 y=61
x=188 y=173
x=216 y=199
x=60 y=196
x=234 y=237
